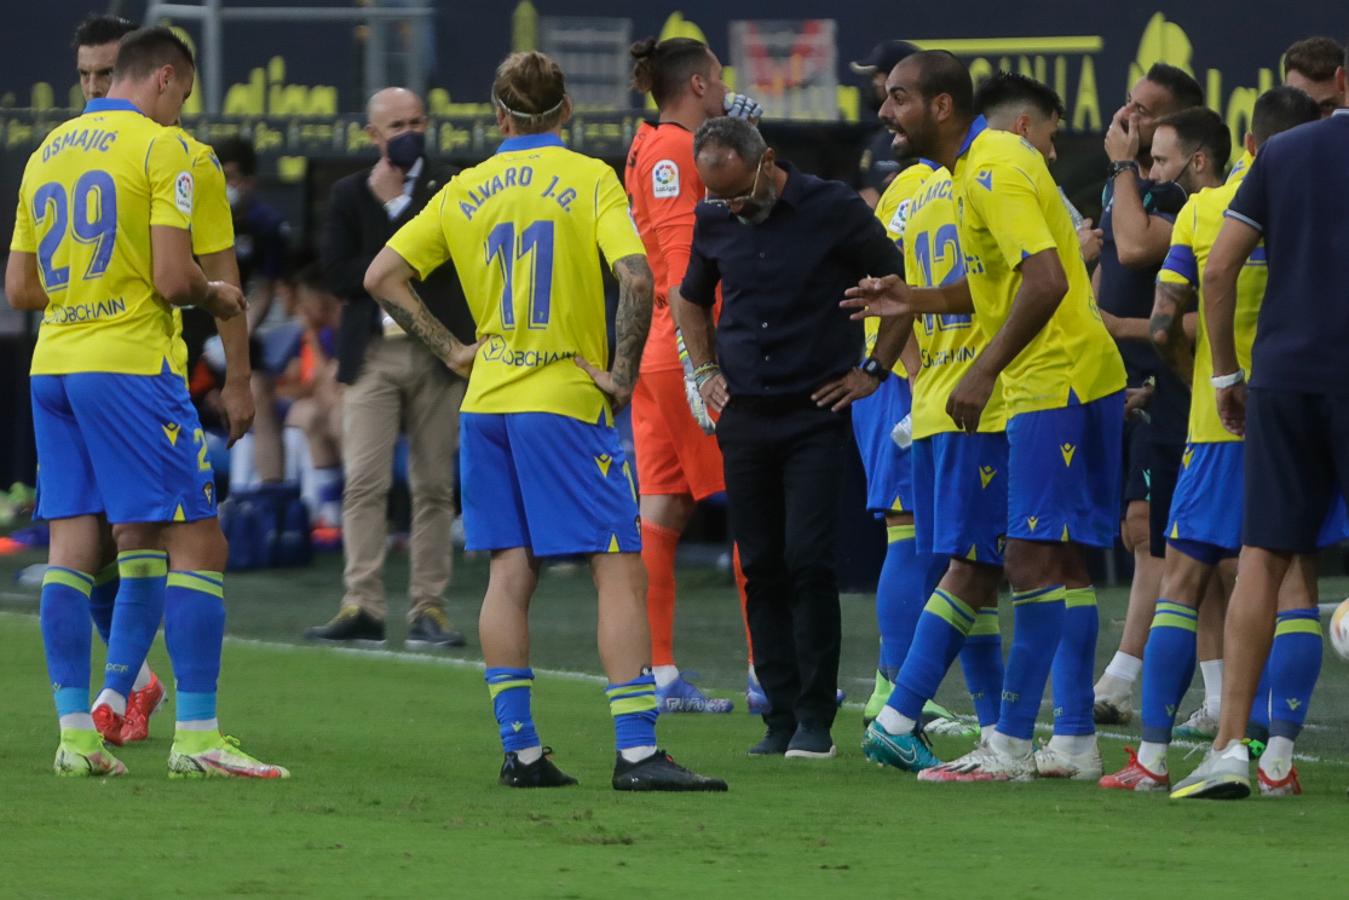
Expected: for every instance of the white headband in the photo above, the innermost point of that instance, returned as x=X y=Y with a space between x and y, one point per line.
x=538 y=115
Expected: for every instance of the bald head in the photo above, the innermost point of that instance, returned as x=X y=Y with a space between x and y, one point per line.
x=393 y=106
x=393 y=112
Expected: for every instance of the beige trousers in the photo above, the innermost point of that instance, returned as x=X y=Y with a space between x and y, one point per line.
x=401 y=383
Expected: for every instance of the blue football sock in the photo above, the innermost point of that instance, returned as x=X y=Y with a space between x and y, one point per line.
x=1074 y=664
x=194 y=629
x=510 y=690
x=981 y=661
x=101 y=599
x=941 y=631
x=1260 y=707
x=1037 y=626
x=633 y=706
x=1168 y=667
x=907 y=580
x=1294 y=664
x=135 y=616
x=64 y=617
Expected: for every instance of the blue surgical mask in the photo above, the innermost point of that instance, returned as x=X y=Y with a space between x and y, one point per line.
x=405 y=149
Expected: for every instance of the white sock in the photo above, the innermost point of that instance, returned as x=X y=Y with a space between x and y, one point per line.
x=1278 y=757
x=198 y=725
x=1017 y=748
x=895 y=722
x=112 y=699
x=1212 y=670
x=665 y=675
x=986 y=733
x=1152 y=757
x=1073 y=744
x=530 y=755
x=142 y=678
x=1124 y=668
x=637 y=754
x=82 y=721
x=329 y=484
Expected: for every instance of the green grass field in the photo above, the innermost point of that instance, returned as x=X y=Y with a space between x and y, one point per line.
x=394 y=760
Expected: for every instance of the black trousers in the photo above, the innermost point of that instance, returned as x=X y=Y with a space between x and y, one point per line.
x=784 y=464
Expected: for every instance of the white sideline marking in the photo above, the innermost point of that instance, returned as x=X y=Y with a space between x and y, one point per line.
x=452 y=662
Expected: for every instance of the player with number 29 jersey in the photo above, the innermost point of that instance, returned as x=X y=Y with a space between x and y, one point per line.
x=116 y=430
x=89 y=196
x=540 y=461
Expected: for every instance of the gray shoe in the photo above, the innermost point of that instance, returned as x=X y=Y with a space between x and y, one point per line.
x=1221 y=776
x=432 y=630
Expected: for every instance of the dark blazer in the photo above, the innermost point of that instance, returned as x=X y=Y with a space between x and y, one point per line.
x=355 y=229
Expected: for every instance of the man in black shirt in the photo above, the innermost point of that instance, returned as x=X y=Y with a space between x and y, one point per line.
x=784 y=246
x=1136 y=226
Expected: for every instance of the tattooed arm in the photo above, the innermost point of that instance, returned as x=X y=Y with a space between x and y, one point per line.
x=631 y=323
x=1167 y=327
x=389 y=281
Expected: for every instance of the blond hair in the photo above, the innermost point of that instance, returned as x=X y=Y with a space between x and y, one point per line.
x=531 y=89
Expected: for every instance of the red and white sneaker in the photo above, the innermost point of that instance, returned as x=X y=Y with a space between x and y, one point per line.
x=1134 y=777
x=1287 y=786
x=983 y=763
x=109 y=724
x=140 y=706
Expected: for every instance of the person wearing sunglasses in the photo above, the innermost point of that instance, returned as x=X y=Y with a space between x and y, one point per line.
x=781 y=367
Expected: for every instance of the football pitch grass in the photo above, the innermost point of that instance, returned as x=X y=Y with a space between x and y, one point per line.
x=394 y=759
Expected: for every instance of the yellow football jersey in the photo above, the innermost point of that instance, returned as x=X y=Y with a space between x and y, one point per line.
x=88 y=199
x=1008 y=208
x=1192 y=237
x=948 y=343
x=212 y=219
x=525 y=230
x=891 y=210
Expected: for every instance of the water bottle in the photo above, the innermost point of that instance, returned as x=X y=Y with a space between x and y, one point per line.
x=1078 y=219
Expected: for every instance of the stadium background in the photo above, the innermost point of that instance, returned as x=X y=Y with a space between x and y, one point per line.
x=296 y=89
x=370 y=811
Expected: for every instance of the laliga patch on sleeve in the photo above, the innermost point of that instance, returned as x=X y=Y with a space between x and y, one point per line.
x=901 y=217
x=182 y=193
x=665 y=179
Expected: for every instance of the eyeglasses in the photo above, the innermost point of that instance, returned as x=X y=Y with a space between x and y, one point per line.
x=728 y=202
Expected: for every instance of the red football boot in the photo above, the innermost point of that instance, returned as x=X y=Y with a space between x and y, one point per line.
x=109 y=724
x=140 y=706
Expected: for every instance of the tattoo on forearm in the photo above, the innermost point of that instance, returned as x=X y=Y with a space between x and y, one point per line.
x=1167 y=317
x=633 y=319
x=422 y=325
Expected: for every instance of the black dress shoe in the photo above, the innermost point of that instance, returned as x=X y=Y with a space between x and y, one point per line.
x=541 y=773
x=351 y=625
x=431 y=630
x=811 y=743
x=659 y=772
x=773 y=743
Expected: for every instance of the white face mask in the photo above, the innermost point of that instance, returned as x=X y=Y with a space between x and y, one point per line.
x=232 y=194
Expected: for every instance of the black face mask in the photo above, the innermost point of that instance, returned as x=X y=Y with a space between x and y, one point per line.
x=404 y=151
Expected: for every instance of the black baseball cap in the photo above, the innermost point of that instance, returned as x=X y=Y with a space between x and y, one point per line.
x=883 y=57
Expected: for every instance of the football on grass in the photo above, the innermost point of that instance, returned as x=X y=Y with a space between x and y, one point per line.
x=1339 y=631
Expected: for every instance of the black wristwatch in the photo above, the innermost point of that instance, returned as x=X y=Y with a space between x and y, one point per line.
x=1124 y=165
x=873 y=367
